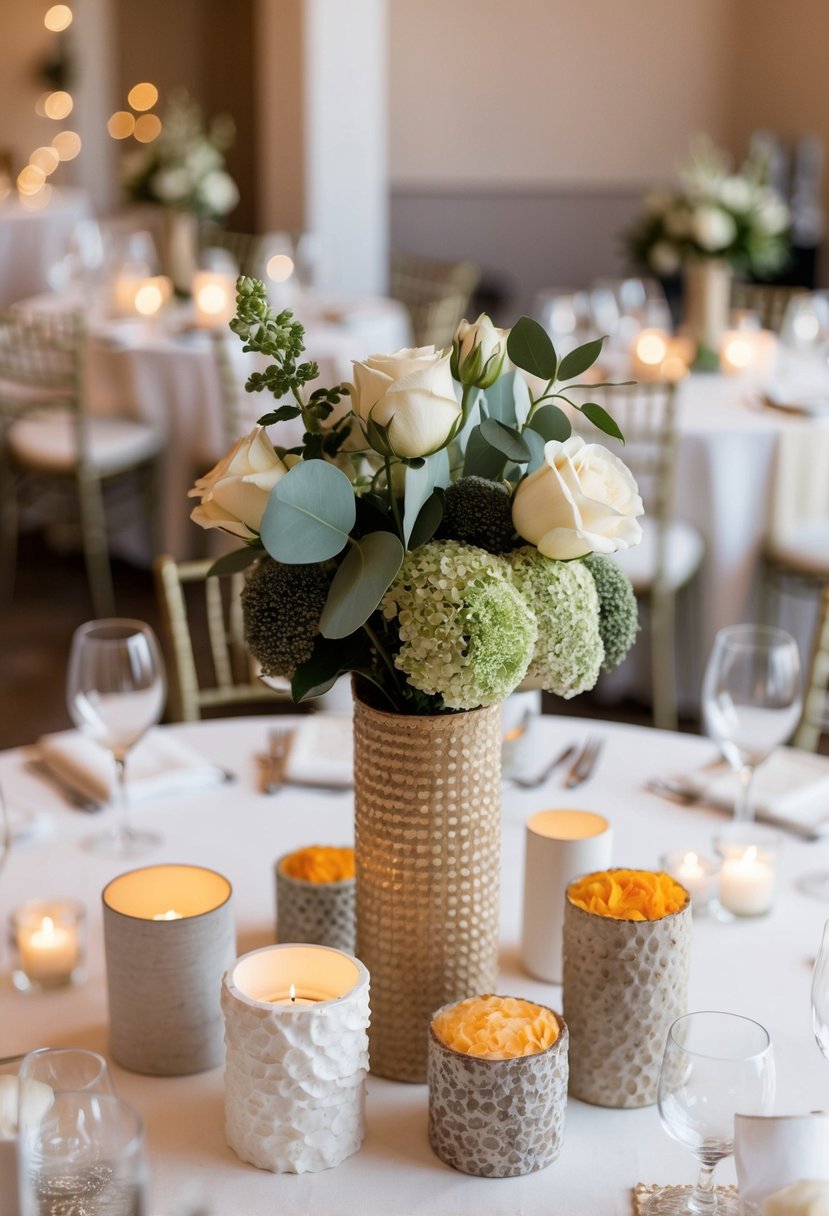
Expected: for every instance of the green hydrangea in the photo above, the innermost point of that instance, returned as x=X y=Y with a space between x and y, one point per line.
x=569 y=651
x=479 y=512
x=618 y=613
x=281 y=606
x=466 y=633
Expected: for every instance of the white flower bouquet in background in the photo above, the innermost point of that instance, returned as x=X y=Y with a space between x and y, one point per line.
x=438 y=530
x=713 y=213
x=184 y=168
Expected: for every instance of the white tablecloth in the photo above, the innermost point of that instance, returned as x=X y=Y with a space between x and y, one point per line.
x=760 y=968
x=31 y=242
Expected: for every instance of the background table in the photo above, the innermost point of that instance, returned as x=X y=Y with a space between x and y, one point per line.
x=758 y=968
x=31 y=242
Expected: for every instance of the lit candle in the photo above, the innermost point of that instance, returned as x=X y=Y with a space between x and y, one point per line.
x=658 y=356
x=747 y=882
x=293 y=1000
x=748 y=352
x=170 y=914
x=214 y=295
x=48 y=940
x=697 y=874
x=140 y=295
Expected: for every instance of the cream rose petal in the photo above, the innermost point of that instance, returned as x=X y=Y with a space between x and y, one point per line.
x=207 y=515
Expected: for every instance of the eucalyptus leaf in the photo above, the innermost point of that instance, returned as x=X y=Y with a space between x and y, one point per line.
x=232 y=563
x=550 y=422
x=536 y=444
x=580 y=359
x=330 y=659
x=428 y=520
x=310 y=512
x=420 y=482
x=601 y=419
x=505 y=439
x=481 y=458
x=529 y=346
x=500 y=399
x=360 y=583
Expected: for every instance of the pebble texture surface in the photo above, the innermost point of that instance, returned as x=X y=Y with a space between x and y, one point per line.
x=318 y=912
x=625 y=982
x=295 y=1079
x=427 y=842
x=497 y=1118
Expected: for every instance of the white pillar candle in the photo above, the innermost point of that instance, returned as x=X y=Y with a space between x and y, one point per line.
x=48 y=938
x=295 y=1070
x=747 y=881
x=214 y=295
x=169 y=938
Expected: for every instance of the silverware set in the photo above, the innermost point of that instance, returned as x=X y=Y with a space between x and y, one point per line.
x=678 y=791
x=583 y=761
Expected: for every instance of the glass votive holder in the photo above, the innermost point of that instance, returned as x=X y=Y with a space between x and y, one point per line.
x=48 y=941
x=698 y=875
x=749 y=865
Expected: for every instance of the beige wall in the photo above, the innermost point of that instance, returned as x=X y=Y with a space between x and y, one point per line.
x=554 y=92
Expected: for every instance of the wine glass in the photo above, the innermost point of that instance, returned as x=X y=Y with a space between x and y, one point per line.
x=81 y=1154
x=751 y=699
x=115 y=692
x=67 y=1069
x=715 y=1065
x=820 y=994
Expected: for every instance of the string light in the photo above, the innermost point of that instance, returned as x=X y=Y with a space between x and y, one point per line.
x=58 y=18
x=147 y=128
x=46 y=159
x=67 y=144
x=58 y=105
x=30 y=180
x=143 y=96
x=121 y=124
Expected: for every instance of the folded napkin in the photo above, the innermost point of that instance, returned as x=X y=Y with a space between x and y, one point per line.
x=773 y=1152
x=322 y=752
x=791 y=787
x=159 y=764
x=807 y=399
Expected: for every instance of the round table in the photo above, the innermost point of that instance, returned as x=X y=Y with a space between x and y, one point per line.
x=760 y=968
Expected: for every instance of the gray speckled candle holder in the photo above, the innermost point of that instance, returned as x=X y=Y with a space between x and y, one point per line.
x=497 y=1118
x=625 y=982
x=318 y=912
x=169 y=938
x=295 y=1076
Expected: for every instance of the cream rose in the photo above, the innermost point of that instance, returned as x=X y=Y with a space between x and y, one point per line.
x=410 y=392
x=478 y=352
x=713 y=228
x=235 y=493
x=582 y=500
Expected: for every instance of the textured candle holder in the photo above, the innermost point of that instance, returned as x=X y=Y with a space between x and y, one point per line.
x=317 y=912
x=169 y=938
x=497 y=1118
x=625 y=983
x=295 y=1075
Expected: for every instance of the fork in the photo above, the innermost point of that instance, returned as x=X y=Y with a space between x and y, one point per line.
x=584 y=764
x=279 y=742
x=531 y=783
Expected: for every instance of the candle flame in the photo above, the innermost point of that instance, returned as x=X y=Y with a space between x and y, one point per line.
x=47 y=926
x=170 y=914
x=691 y=859
x=750 y=856
x=292 y=992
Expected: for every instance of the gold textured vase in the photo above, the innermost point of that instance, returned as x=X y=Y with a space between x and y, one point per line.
x=427 y=841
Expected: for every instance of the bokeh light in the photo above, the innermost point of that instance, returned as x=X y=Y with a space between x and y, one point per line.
x=149 y=299
x=58 y=105
x=58 y=18
x=143 y=96
x=46 y=159
x=121 y=124
x=280 y=268
x=67 y=144
x=147 y=128
x=30 y=180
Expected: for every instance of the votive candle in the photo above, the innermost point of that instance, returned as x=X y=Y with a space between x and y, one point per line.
x=48 y=939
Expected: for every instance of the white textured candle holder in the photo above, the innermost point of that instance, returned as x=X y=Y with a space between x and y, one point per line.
x=497 y=1118
x=295 y=1075
x=318 y=912
x=169 y=938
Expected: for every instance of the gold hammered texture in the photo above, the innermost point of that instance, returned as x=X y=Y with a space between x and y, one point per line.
x=625 y=982
x=428 y=842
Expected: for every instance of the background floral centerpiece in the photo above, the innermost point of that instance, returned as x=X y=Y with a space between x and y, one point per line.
x=713 y=223
x=439 y=532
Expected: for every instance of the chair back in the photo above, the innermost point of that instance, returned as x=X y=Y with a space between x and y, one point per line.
x=41 y=359
x=800 y=484
x=815 y=719
x=231 y=681
x=646 y=416
x=436 y=295
x=769 y=300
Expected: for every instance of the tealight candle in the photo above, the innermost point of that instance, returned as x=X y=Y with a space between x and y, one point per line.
x=169 y=938
x=656 y=355
x=749 y=855
x=214 y=295
x=697 y=874
x=748 y=352
x=48 y=940
x=141 y=295
x=296 y=1029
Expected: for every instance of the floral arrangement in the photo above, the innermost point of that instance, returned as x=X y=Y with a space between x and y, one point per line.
x=628 y=894
x=184 y=167
x=438 y=530
x=713 y=213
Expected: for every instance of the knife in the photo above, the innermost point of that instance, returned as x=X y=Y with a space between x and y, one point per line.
x=687 y=795
x=77 y=800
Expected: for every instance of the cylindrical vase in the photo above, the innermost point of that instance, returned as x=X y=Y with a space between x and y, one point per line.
x=625 y=983
x=427 y=842
x=706 y=288
x=559 y=846
x=318 y=912
x=169 y=938
x=296 y=1019
x=497 y=1118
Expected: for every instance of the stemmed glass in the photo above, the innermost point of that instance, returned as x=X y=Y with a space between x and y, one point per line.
x=715 y=1065
x=115 y=692
x=820 y=994
x=751 y=699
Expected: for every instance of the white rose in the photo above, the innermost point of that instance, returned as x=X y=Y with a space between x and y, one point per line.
x=713 y=228
x=235 y=493
x=218 y=192
x=582 y=500
x=410 y=392
x=171 y=185
x=478 y=352
x=736 y=193
x=772 y=214
x=664 y=258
